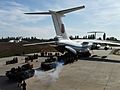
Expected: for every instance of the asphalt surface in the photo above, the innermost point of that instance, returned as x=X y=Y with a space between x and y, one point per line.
x=99 y=72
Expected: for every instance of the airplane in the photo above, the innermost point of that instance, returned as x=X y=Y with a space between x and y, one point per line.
x=62 y=40
x=16 y=41
x=95 y=32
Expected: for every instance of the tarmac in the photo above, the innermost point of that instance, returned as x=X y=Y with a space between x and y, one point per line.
x=99 y=72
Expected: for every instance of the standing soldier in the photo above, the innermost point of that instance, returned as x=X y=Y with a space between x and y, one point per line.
x=104 y=36
x=24 y=85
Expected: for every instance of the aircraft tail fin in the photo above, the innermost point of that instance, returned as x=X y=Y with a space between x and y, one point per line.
x=56 y=17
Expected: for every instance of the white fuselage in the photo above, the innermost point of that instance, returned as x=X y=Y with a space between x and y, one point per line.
x=75 y=45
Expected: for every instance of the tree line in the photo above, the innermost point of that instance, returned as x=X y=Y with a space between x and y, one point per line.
x=35 y=39
x=25 y=39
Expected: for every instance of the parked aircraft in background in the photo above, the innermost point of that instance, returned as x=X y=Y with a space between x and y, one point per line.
x=62 y=40
x=95 y=33
x=16 y=41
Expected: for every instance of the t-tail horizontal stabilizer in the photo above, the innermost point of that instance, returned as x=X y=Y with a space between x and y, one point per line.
x=62 y=12
x=56 y=17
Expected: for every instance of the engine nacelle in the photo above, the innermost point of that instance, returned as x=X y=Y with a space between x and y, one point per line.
x=71 y=49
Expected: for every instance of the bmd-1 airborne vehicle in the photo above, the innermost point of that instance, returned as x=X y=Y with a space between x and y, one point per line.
x=21 y=73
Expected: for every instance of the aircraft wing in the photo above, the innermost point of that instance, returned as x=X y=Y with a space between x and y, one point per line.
x=41 y=43
x=106 y=42
x=99 y=41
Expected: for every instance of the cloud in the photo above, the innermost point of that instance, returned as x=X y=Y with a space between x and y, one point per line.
x=13 y=13
x=98 y=15
x=107 y=11
x=26 y=31
x=13 y=19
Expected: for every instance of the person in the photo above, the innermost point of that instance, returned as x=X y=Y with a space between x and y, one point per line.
x=19 y=69
x=19 y=82
x=24 y=85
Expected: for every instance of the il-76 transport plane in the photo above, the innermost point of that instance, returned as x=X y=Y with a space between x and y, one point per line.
x=73 y=46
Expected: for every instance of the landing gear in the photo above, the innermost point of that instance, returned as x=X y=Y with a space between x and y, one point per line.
x=67 y=58
x=84 y=54
x=106 y=48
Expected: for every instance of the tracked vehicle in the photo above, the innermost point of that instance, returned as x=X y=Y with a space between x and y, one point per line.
x=21 y=73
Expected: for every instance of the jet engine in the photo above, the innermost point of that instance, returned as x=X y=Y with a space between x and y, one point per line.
x=71 y=49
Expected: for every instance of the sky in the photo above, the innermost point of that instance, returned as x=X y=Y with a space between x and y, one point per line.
x=98 y=15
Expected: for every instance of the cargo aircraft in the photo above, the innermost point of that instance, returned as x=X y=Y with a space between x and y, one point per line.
x=62 y=40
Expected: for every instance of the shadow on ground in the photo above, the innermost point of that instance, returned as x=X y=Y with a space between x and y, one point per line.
x=6 y=84
x=100 y=59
